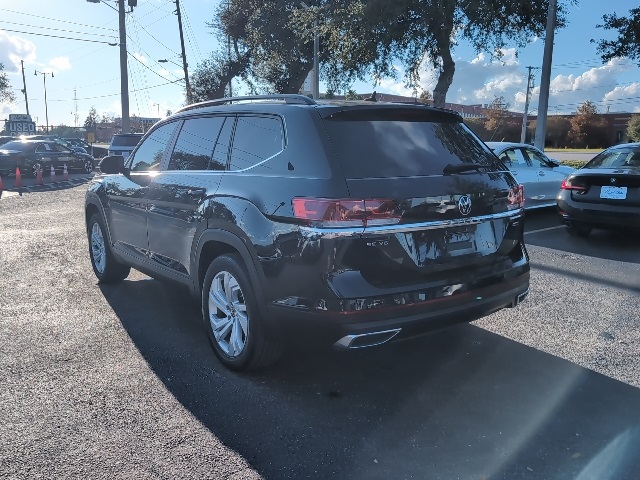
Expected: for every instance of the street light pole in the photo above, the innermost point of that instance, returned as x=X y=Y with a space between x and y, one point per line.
x=184 y=55
x=44 y=80
x=545 y=81
x=124 y=73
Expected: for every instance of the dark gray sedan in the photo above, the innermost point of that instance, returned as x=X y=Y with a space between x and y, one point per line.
x=605 y=193
x=29 y=155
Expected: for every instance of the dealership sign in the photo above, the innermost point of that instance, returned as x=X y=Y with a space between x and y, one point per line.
x=19 y=124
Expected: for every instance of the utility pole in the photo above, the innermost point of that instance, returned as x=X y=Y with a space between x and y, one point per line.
x=545 y=81
x=24 y=89
x=523 y=135
x=44 y=81
x=124 y=73
x=75 y=105
x=184 y=55
x=316 y=51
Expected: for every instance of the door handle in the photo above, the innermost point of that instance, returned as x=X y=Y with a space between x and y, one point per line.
x=541 y=174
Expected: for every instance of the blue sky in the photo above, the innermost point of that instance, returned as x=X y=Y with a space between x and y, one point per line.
x=92 y=69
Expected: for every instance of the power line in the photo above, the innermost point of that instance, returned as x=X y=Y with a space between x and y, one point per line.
x=147 y=32
x=58 y=36
x=55 y=29
x=56 y=19
x=152 y=70
x=115 y=94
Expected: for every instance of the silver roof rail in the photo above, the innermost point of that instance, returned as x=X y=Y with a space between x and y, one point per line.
x=286 y=97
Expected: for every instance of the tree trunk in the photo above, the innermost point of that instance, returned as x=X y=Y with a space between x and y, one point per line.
x=446 y=74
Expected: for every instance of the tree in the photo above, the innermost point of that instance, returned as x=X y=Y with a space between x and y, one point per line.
x=633 y=128
x=368 y=37
x=6 y=95
x=628 y=42
x=425 y=97
x=92 y=119
x=588 y=129
x=501 y=124
x=557 y=131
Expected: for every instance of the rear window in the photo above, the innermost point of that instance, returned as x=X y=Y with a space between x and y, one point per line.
x=17 y=145
x=404 y=145
x=125 y=140
x=626 y=157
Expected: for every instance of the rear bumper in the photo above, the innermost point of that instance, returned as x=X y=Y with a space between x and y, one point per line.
x=372 y=326
x=598 y=215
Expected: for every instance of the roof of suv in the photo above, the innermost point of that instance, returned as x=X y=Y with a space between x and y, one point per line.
x=326 y=107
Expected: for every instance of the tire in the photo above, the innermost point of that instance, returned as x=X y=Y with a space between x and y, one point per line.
x=105 y=266
x=87 y=166
x=34 y=170
x=578 y=230
x=237 y=333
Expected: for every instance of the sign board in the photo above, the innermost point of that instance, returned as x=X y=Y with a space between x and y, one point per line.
x=91 y=137
x=19 y=124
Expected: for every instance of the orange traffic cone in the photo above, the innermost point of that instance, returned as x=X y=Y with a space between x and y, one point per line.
x=53 y=174
x=39 y=180
x=18 y=178
x=65 y=173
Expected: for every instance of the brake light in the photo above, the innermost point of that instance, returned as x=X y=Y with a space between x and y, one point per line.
x=568 y=185
x=516 y=197
x=329 y=212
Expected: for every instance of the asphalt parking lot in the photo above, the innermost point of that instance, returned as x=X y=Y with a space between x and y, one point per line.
x=120 y=382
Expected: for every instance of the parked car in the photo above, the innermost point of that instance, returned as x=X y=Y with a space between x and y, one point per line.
x=78 y=142
x=353 y=222
x=6 y=138
x=124 y=143
x=605 y=193
x=28 y=155
x=58 y=140
x=540 y=175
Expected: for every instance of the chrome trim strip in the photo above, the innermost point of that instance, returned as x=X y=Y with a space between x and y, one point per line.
x=347 y=340
x=392 y=229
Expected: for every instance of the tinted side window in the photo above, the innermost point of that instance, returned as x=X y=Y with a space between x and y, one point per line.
x=221 y=152
x=149 y=154
x=195 y=143
x=255 y=140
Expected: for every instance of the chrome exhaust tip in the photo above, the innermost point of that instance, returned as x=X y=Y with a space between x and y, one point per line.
x=363 y=340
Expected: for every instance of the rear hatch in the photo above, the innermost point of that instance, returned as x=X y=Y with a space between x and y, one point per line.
x=448 y=202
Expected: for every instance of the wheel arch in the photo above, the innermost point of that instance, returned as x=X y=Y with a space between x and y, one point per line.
x=213 y=243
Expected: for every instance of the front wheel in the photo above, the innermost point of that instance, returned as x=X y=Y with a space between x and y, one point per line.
x=88 y=166
x=237 y=333
x=105 y=266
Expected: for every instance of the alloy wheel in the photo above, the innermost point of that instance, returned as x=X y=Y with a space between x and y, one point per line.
x=98 y=249
x=228 y=314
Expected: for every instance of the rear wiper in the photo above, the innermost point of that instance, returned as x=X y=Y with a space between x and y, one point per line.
x=463 y=167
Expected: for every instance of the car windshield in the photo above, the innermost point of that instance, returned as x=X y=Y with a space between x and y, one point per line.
x=618 y=158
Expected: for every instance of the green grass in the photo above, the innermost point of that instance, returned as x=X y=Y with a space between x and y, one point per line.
x=574 y=150
x=574 y=163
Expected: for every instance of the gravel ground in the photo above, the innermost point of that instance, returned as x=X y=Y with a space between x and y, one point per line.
x=119 y=382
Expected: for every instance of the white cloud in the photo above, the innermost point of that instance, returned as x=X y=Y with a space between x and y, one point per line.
x=141 y=57
x=13 y=49
x=60 y=63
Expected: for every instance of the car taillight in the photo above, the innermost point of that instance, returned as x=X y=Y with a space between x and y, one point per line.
x=516 y=197
x=568 y=185
x=329 y=212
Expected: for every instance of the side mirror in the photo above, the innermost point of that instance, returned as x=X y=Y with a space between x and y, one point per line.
x=112 y=164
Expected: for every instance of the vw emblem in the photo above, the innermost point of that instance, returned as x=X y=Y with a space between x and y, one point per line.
x=613 y=180
x=464 y=204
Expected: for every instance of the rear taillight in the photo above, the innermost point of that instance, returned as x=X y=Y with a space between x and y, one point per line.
x=516 y=197
x=567 y=184
x=329 y=212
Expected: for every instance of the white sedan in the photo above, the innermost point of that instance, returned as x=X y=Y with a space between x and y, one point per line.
x=540 y=175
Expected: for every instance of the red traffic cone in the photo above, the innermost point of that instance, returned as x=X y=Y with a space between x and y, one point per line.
x=53 y=174
x=65 y=173
x=18 y=178
x=39 y=180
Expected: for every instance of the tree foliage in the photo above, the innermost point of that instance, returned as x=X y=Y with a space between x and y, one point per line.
x=633 y=128
x=6 y=94
x=628 y=42
x=92 y=118
x=557 y=130
x=588 y=129
x=367 y=37
x=501 y=125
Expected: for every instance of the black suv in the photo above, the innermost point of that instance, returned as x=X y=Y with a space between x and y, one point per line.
x=357 y=221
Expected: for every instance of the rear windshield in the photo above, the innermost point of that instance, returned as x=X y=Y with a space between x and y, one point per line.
x=401 y=147
x=125 y=140
x=621 y=157
x=17 y=145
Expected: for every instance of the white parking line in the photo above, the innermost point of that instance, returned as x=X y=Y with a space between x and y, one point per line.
x=544 y=229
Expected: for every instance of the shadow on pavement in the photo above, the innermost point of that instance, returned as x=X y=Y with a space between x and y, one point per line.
x=619 y=245
x=460 y=403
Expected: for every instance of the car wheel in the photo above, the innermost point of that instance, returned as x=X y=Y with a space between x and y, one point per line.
x=88 y=166
x=578 y=230
x=105 y=266
x=34 y=169
x=236 y=331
